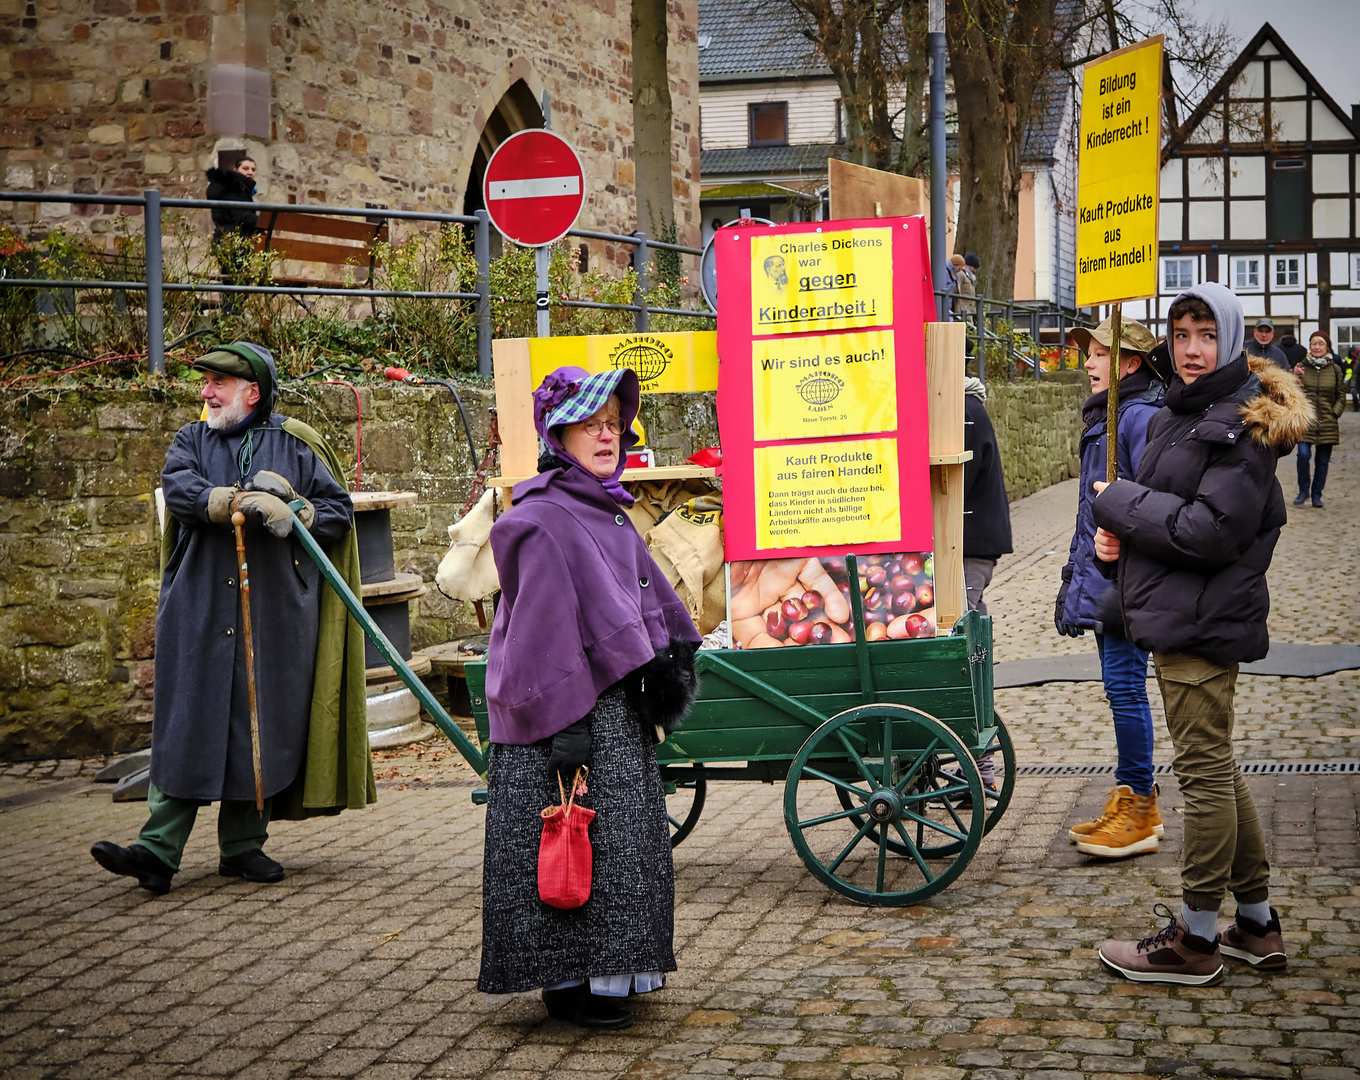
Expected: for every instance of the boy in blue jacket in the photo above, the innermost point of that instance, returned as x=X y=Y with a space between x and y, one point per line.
x=1130 y=823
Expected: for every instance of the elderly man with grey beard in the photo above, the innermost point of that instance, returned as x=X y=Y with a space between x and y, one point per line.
x=312 y=738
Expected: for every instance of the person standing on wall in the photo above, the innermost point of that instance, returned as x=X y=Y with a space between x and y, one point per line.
x=1131 y=823
x=1325 y=384
x=233 y=229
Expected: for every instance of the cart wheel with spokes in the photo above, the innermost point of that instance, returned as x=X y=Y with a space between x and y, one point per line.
x=686 y=788
x=997 y=801
x=884 y=760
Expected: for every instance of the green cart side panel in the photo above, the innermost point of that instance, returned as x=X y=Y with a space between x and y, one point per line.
x=949 y=677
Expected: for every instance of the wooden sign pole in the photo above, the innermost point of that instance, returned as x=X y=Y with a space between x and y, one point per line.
x=1112 y=406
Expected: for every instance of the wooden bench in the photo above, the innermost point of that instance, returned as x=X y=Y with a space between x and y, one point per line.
x=322 y=240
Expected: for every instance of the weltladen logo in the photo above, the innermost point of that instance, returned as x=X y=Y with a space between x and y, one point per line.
x=648 y=356
x=820 y=389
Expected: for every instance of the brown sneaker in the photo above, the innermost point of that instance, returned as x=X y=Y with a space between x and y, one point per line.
x=1127 y=832
x=1172 y=955
x=1076 y=832
x=1260 y=946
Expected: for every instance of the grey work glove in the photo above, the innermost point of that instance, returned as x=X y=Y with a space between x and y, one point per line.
x=274 y=484
x=271 y=511
x=571 y=747
x=219 y=504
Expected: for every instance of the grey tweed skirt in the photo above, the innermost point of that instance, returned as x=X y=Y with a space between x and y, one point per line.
x=627 y=925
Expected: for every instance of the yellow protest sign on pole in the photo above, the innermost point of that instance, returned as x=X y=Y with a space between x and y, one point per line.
x=1119 y=172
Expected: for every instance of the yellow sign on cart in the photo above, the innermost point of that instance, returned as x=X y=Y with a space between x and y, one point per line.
x=665 y=363
x=827 y=493
x=1119 y=173
x=827 y=280
x=813 y=387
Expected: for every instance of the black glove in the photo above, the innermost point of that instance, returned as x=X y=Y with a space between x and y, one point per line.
x=571 y=747
x=276 y=485
x=1064 y=627
x=271 y=512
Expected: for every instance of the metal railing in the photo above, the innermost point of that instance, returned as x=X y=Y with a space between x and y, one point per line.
x=989 y=311
x=155 y=286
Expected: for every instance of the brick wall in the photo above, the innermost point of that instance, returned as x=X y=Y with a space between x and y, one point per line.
x=79 y=542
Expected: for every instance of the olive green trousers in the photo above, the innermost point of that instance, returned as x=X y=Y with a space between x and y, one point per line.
x=1224 y=849
x=240 y=827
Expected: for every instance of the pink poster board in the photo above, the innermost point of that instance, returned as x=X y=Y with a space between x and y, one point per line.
x=822 y=388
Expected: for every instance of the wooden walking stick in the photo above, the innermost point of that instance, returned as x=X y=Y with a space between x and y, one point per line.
x=238 y=520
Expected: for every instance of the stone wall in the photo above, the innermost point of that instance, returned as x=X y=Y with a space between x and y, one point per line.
x=347 y=102
x=79 y=540
x=1038 y=431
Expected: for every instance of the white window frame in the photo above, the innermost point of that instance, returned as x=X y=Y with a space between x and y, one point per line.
x=1355 y=269
x=1235 y=284
x=1353 y=325
x=1281 y=262
x=1183 y=262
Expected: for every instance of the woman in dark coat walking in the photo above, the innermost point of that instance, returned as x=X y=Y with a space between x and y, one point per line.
x=591 y=653
x=1325 y=386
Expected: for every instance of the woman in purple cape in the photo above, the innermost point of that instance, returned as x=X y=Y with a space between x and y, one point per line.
x=591 y=656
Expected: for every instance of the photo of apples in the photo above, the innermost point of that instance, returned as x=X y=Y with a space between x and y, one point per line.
x=774 y=603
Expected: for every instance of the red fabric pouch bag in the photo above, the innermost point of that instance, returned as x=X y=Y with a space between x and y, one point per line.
x=565 y=859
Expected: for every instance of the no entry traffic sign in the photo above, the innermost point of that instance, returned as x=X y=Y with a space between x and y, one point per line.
x=534 y=187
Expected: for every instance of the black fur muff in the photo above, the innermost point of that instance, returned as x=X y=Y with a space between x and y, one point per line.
x=663 y=689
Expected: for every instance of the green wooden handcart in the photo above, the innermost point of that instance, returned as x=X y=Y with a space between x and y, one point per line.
x=876 y=744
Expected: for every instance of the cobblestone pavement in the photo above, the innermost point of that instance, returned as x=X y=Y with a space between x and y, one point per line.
x=363 y=961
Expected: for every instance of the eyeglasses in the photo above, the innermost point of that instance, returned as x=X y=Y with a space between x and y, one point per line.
x=594 y=427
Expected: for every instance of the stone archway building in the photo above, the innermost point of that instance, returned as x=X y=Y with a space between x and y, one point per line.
x=347 y=102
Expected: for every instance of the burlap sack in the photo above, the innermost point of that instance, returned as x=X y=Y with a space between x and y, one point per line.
x=687 y=545
x=467 y=571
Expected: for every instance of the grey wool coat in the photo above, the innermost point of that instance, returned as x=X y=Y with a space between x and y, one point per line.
x=200 y=735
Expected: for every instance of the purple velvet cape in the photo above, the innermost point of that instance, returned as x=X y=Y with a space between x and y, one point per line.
x=582 y=602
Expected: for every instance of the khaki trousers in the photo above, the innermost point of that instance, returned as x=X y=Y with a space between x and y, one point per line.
x=1224 y=847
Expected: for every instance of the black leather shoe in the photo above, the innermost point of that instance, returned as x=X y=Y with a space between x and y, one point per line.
x=577 y=1005
x=134 y=861
x=253 y=865
x=602 y=1012
x=1303 y=498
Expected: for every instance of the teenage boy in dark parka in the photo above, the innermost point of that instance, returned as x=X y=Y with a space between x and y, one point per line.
x=1192 y=536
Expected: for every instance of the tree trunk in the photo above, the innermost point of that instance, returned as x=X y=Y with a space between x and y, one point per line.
x=914 y=152
x=1000 y=54
x=652 y=118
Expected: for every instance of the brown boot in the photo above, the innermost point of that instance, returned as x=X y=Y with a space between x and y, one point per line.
x=1128 y=832
x=1080 y=832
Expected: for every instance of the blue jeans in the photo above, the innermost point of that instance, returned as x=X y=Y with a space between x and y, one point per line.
x=1324 y=458
x=1123 y=666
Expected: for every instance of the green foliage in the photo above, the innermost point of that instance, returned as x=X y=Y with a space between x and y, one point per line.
x=435 y=336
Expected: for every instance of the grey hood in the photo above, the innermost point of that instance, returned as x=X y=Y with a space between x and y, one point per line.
x=1227 y=309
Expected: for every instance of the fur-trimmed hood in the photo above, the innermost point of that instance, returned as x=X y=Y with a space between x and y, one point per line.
x=1280 y=416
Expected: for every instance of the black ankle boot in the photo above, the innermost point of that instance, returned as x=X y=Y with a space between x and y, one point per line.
x=577 y=1005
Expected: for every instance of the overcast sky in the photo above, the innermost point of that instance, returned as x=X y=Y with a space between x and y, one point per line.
x=1323 y=34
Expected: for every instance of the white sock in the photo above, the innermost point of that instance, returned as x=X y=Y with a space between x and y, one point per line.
x=1257 y=913
x=1201 y=923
